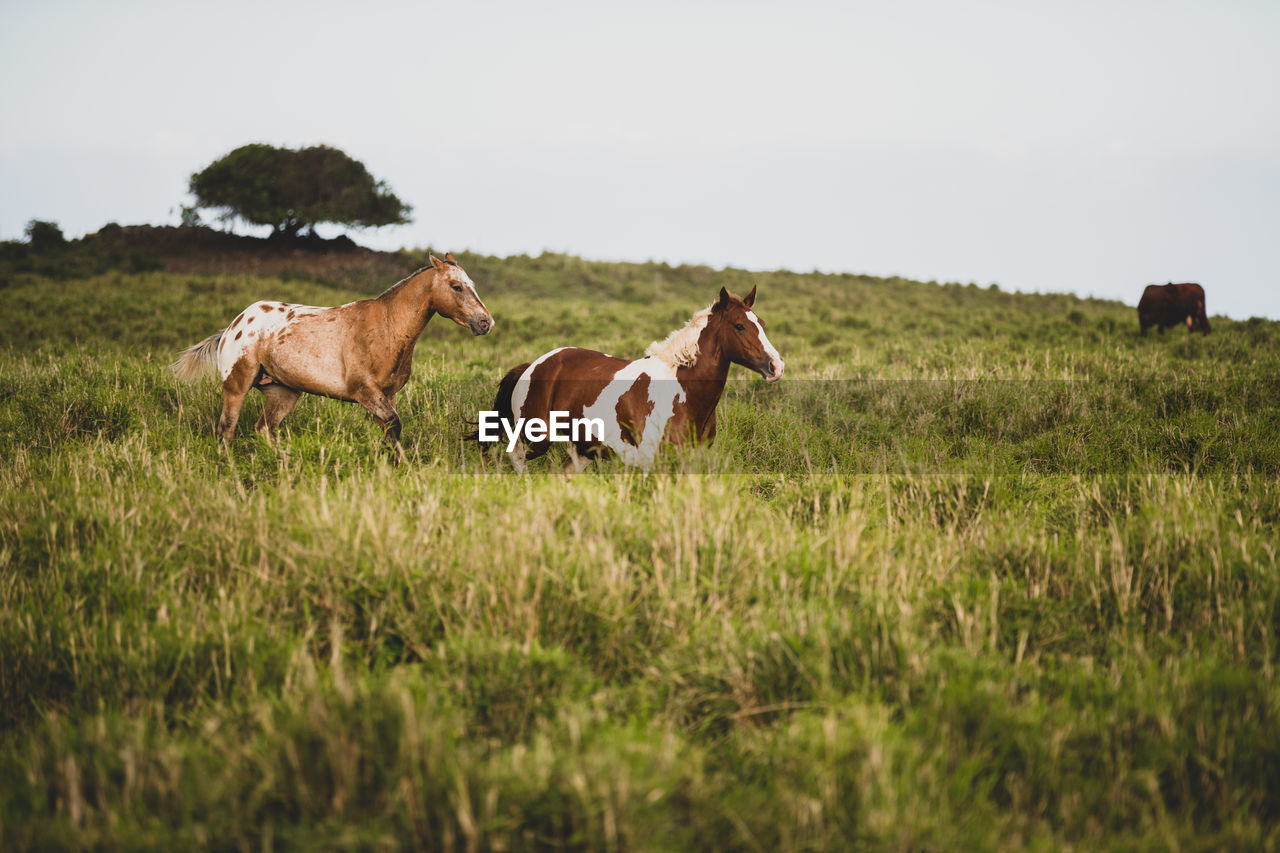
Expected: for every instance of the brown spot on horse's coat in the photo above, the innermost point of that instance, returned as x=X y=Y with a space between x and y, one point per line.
x=633 y=409
x=289 y=316
x=250 y=320
x=238 y=334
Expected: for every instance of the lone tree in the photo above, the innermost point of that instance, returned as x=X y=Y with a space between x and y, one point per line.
x=292 y=189
x=44 y=236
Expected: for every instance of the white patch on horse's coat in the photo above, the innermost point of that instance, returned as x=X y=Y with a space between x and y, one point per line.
x=664 y=393
x=764 y=339
x=271 y=322
x=680 y=348
x=769 y=348
x=466 y=279
x=520 y=393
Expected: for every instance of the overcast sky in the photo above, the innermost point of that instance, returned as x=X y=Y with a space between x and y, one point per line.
x=1091 y=147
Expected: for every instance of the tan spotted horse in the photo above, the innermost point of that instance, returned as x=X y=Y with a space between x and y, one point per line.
x=361 y=352
x=668 y=396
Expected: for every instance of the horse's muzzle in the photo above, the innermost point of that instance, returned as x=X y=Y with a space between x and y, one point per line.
x=481 y=325
x=774 y=371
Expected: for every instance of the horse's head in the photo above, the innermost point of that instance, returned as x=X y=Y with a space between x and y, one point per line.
x=741 y=335
x=453 y=295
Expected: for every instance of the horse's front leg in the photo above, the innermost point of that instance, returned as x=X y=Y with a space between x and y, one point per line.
x=383 y=409
x=707 y=434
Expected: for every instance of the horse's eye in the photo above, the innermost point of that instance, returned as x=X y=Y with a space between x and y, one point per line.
x=740 y=327
x=456 y=287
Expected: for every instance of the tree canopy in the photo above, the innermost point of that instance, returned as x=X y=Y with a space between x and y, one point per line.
x=44 y=236
x=291 y=189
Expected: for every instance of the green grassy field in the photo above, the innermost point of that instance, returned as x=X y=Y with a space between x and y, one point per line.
x=985 y=571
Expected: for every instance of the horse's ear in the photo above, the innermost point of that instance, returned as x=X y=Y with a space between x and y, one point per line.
x=448 y=257
x=750 y=298
x=436 y=262
x=724 y=298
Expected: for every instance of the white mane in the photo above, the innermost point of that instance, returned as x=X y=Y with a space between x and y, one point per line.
x=680 y=348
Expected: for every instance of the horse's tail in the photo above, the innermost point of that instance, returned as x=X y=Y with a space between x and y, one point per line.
x=197 y=359
x=502 y=400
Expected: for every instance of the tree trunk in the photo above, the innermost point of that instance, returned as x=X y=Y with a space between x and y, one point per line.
x=287 y=232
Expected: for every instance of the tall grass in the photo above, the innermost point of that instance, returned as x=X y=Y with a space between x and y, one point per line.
x=987 y=570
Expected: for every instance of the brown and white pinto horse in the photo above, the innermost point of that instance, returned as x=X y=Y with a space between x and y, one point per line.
x=670 y=394
x=361 y=352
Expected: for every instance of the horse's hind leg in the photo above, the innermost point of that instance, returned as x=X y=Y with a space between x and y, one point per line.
x=234 y=388
x=575 y=462
x=519 y=457
x=522 y=453
x=279 y=403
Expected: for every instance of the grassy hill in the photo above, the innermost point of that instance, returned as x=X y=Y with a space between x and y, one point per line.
x=985 y=570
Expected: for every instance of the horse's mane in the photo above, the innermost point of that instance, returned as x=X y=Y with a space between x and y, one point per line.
x=414 y=275
x=680 y=348
x=402 y=282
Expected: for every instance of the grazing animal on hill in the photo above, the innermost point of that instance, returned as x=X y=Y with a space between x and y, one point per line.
x=670 y=395
x=1164 y=305
x=361 y=352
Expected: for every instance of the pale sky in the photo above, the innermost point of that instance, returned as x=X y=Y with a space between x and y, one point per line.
x=1090 y=147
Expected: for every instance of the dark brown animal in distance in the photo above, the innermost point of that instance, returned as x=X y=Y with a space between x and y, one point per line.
x=1165 y=305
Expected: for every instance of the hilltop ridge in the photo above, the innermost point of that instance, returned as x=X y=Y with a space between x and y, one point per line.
x=201 y=250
